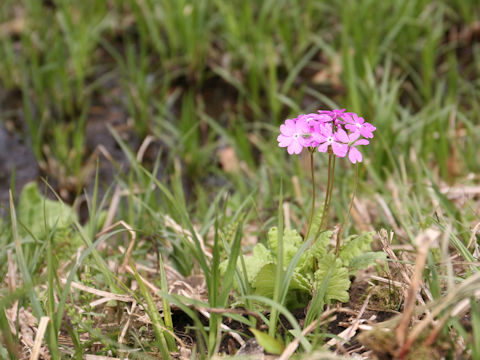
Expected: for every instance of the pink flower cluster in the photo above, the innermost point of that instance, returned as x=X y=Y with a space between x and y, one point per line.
x=338 y=130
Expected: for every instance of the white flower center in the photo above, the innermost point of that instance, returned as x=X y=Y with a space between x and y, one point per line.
x=296 y=136
x=330 y=139
x=359 y=125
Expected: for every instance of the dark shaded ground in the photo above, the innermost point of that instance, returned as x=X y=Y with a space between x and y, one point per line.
x=17 y=160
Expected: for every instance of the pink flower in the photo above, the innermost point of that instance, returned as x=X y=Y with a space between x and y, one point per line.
x=327 y=130
x=354 y=155
x=311 y=119
x=321 y=118
x=325 y=138
x=355 y=123
x=335 y=115
x=293 y=134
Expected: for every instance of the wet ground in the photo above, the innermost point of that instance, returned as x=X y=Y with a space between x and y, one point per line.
x=17 y=165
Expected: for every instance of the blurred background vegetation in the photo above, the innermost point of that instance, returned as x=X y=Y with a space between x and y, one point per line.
x=194 y=91
x=213 y=78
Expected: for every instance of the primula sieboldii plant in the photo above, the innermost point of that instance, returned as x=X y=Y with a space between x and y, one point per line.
x=336 y=132
x=321 y=274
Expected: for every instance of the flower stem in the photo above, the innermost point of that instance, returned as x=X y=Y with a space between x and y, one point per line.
x=347 y=216
x=328 y=194
x=313 y=198
x=327 y=191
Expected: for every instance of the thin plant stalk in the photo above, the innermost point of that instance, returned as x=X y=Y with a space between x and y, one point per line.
x=328 y=194
x=313 y=193
x=327 y=191
x=279 y=274
x=347 y=216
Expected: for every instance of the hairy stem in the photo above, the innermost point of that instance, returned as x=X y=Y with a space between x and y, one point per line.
x=327 y=191
x=328 y=194
x=347 y=216
x=313 y=194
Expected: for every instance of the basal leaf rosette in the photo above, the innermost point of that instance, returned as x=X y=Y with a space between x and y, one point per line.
x=318 y=269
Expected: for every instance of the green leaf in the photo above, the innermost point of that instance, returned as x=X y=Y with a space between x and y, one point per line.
x=264 y=282
x=291 y=242
x=365 y=260
x=260 y=257
x=269 y=343
x=40 y=215
x=317 y=251
x=232 y=264
x=317 y=220
x=157 y=322
x=354 y=246
x=300 y=282
x=42 y=218
x=330 y=269
x=230 y=229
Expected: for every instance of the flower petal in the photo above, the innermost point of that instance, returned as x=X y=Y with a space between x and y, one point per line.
x=348 y=118
x=341 y=135
x=354 y=135
x=284 y=141
x=324 y=118
x=354 y=155
x=316 y=136
x=326 y=129
x=339 y=149
x=366 y=133
x=307 y=141
x=302 y=127
x=361 y=142
x=294 y=148
x=351 y=127
x=288 y=128
x=323 y=147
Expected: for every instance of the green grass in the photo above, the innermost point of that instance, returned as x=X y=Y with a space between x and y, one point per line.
x=205 y=77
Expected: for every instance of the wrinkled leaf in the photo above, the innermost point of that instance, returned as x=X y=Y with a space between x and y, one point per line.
x=331 y=269
x=365 y=260
x=291 y=242
x=260 y=257
x=315 y=253
x=264 y=282
x=354 y=246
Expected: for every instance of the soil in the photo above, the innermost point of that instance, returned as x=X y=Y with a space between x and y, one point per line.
x=17 y=160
